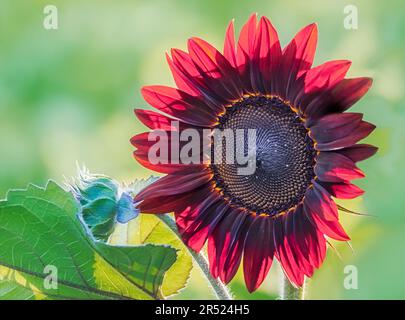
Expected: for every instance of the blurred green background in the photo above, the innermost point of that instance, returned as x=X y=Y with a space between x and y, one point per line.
x=67 y=95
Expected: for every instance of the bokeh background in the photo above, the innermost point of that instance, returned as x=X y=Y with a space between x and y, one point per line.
x=68 y=95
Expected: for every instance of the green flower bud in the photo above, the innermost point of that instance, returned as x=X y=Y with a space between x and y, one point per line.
x=104 y=203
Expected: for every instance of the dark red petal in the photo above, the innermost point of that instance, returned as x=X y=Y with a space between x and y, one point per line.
x=335 y=126
x=174 y=185
x=163 y=148
x=332 y=229
x=246 y=41
x=295 y=225
x=318 y=200
x=142 y=142
x=326 y=75
x=154 y=120
x=186 y=69
x=163 y=205
x=359 y=152
x=198 y=221
x=337 y=99
x=342 y=190
x=187 y=218
x=299 y=55
x=143 y=158
x=174 y=140
x=179 y=105
x=301 y=50
x=229 y=45
x=233 y=255
x=317 y=245
x=334 y=167
x=311 y=242
x=258 y=252
x=266 y=57
x=339 y=130
x=299 y=251
x=245 y=51
x=317 y=80
x=225 y=245
x=362 y=131
x=184 y=63
x=196 y=239
x=215 y=69
x=247 y=36
x=284 y=254
x=181 y=80
x=349 y=91
x=166 y=204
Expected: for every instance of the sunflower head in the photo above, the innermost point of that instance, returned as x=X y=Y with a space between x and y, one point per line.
x=284 y=156
x=288 y=118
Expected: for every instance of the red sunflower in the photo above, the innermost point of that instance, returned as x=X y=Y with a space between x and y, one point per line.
x=306 y=151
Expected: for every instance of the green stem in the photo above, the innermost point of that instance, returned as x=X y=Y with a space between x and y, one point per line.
x=219 y=288
x=289 y=292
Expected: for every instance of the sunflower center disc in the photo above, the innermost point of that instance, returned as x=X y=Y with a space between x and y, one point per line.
x=285 y=156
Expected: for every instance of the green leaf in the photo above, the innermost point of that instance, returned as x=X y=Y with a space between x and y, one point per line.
x=150 y=229
x=12 y=290
x=39 y=228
